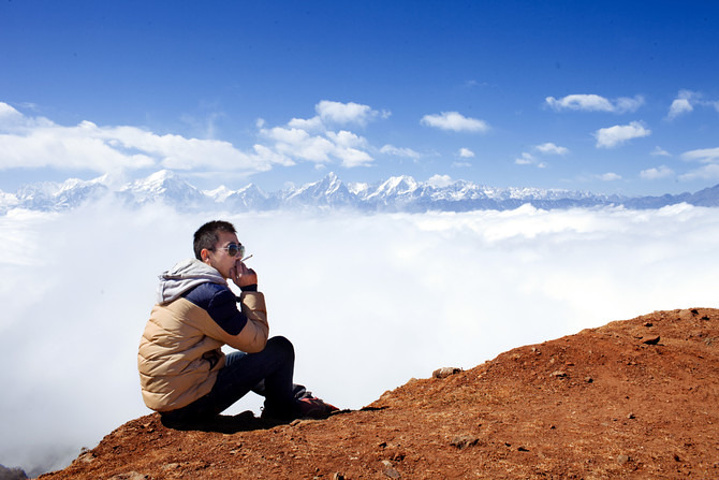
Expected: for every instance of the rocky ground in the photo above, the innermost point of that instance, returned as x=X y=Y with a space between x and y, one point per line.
x=632 y=399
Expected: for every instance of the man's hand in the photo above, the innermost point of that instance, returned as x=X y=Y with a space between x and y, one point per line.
x=243 y=276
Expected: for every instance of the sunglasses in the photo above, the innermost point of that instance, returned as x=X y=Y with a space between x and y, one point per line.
x=233 y=249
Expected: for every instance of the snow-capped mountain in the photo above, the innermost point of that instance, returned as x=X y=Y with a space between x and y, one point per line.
x=396 y=194
x=166 y=186
x=328 y=192
x=55 y=196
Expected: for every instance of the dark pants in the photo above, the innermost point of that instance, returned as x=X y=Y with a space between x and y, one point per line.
x=268 y=373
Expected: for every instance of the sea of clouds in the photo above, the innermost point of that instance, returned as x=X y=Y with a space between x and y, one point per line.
x=369 y=301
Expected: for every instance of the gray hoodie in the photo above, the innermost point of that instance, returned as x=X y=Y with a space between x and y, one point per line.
x=185 y=276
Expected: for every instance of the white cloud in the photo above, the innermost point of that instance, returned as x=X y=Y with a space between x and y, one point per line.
x=660 y=152
x=687 y=101
x=271 y=156
x=707 y=172
x=314 y=140
x=347 y=139
x=344 y=113
x=550 y=148
x=9 y=114
x=456 y=122
x=619 y=134
x=28 y=142
x=440 y=180
x=704 y=155
x=343 y=146
x=595 y=103
x=80 y=147
x=352 y=157
x=399 y=152
x=708 y=156
x=610 y=177
x=37 y=142
x=625 y=104
x=656 y=173
x=682 y=104
x=465 y=153
x=561 y=271
x=527 y=158
x=313 y=124
x=678 y=107
x=461 y=164
x=297 y=143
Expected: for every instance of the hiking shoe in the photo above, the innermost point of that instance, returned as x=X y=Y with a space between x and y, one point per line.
x=312 y=407
x=276 y=417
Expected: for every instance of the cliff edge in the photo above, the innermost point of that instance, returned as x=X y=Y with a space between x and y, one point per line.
x=632 y=399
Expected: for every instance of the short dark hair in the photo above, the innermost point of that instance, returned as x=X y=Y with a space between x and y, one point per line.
x=207 y=235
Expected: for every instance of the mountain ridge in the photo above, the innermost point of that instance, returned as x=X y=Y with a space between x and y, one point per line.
x=395 y=194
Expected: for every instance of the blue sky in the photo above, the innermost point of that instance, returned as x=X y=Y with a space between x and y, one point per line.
x=601 y=96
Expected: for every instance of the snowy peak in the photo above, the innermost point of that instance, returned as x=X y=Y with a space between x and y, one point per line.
x=397 y=186
x=53 y=196
x=164 y=185
x=330 y=191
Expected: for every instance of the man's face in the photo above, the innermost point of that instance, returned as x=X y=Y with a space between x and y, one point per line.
x=220 y=258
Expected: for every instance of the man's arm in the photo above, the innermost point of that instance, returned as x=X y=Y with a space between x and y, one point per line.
x=242 y=326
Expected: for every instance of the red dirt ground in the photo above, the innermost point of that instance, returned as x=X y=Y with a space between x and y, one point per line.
x=632 y=399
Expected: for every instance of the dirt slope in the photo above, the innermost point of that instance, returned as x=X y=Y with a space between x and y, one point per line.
x=633 y=399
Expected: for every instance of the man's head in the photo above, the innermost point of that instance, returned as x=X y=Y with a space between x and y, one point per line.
x=208 y=235
x=213 y=244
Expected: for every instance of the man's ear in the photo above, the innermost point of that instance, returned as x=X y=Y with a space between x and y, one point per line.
x=205 y=255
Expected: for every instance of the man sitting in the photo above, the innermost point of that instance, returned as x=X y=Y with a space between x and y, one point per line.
x=184 y=374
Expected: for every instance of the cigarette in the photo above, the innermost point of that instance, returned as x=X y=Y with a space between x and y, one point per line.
x=246 y=258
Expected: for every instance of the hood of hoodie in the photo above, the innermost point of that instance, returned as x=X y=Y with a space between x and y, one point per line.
x=185 y=276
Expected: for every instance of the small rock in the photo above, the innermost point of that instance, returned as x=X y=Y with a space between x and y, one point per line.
x=130 y=476
x=391 y=473
x=86 y=456
x=622 y=459
x=463 y=441
x=445 y=372
x=338 y=476
x=653 y=340
x=559 y=374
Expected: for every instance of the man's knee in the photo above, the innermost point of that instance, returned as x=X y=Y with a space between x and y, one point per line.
x=281 y=346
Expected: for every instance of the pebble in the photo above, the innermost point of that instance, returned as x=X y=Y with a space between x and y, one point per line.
x=391 y=473
x=463 y=441
x=445 y=372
